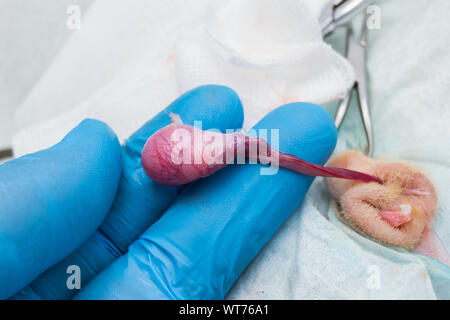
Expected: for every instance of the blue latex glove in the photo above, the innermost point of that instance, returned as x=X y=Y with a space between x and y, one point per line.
x=215 y=227
x=138 y=203
x=50 y=201
x=204 y=241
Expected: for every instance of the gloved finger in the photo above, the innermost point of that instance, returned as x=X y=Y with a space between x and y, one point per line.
x=204 y=241
x=139 y=201
x=51 y=201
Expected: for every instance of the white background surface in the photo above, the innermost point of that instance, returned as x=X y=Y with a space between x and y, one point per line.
x=31 y=34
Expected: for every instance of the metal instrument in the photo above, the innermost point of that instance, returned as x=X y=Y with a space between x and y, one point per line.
x=337 y=14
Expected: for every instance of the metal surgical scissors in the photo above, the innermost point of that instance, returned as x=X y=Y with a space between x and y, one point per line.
x=337 y=14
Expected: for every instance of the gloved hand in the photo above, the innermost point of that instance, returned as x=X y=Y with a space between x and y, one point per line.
x=207 y=232
x=137 y=203
x=53 y=200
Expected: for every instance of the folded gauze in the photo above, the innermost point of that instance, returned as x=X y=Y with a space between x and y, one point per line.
x=270 y=52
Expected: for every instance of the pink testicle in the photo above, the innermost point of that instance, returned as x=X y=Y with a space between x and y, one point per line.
x=176 y=155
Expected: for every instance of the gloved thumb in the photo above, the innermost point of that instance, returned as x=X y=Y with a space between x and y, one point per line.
x=53 y=200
